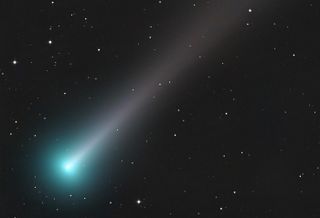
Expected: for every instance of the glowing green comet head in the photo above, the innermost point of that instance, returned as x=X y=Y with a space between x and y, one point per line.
x=62 y=171
x=68 y=167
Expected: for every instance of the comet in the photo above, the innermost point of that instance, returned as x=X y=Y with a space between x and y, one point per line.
x=205 y=32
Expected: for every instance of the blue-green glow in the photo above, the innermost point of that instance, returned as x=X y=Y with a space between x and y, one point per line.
x=68 y=167
x=60 y=172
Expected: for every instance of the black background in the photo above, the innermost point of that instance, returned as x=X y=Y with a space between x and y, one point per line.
x=246 y=124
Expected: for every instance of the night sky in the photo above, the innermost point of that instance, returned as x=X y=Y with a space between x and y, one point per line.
x=219 y=103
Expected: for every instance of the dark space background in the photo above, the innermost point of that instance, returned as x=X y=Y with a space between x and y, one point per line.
x=239 y=139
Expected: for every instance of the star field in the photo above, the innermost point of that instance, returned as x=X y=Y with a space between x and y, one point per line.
x=231 y=130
